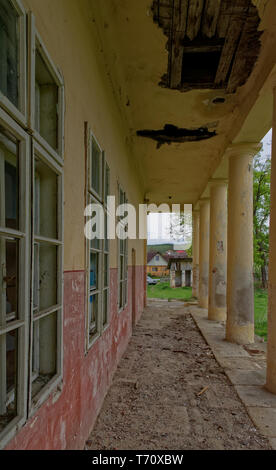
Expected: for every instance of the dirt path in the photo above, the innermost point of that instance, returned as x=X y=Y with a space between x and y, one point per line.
x=159 y=397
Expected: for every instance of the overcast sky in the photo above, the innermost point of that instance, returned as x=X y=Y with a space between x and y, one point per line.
x=159 y=223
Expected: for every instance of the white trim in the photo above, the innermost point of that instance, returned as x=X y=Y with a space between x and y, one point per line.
x=20 y=113
x=36 y=43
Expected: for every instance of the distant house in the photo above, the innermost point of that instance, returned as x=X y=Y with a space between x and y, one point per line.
x=181 y=269
x=157 y=264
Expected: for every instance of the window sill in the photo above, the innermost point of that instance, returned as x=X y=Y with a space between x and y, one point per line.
x=55 y=385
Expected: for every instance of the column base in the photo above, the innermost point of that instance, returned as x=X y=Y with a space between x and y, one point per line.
x=217 y=314
x=271 y=377
x=203 y=302
x=240 y=334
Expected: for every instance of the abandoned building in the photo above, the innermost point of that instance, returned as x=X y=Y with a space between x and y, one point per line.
x=157 y=264
x=180 y=266
x=154 y=101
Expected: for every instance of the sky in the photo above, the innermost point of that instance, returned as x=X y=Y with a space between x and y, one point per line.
x=159 y=223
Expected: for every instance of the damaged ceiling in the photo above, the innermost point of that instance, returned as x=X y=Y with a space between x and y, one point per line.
x=200 y=122
x=211 y=43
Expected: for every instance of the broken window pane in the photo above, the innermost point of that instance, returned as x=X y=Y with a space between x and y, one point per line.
x=46 y=102
x=8 y=280
x=9 y=42
x=93 y=313
x=45 y=198
x=105 y=306
x=44 y=358
x=8 y=377
x=45 y=276
x=96 y=167
x=94 y=270
x=9 y=181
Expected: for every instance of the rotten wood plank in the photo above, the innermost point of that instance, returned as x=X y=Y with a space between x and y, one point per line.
x=232 y=38
x=179 y=22
x=247 y=52
x=194 y=18
x=226 y=9
x=210 y=17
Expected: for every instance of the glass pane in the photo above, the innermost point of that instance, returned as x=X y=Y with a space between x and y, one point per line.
x=46 y=102
x=105 y=306
x=94 y=270
x=121 y=295
x=45 y=276
x=96 y=167
x=8 y=280
x=44 y=350
x=106 y=270
x=9 y=41
x=106 y=241
x=121 y=268
x=8 y=181
x=95 y=243
x=8 y=378
x=107 y=182
x=93 y=314
x=45 y=197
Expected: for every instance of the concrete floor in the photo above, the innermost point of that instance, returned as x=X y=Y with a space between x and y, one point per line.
x=170 y=392
x=245 y=367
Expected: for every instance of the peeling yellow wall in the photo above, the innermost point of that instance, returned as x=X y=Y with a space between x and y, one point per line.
x=68 y=32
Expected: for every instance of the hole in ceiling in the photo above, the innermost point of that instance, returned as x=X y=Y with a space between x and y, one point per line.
x=211 y=44
x=172 y=133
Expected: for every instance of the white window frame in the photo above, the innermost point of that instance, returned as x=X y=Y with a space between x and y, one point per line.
x=23 y=235
x=34 y=403
x=93 y=197
x=124 y=281
x=20 y=113
x=35 y=42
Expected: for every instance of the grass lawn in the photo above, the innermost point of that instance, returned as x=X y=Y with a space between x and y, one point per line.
x=162 y=290
x=261 y=298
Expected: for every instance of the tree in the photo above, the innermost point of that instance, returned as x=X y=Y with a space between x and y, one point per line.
x=261 y=213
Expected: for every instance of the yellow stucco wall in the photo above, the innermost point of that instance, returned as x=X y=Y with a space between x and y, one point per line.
x=69 y=34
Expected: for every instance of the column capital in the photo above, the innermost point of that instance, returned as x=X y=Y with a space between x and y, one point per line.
x=218 y=182
x=243 y=148
x=203 y=201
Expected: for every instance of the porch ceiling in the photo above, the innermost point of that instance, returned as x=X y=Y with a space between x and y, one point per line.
x=151 y=95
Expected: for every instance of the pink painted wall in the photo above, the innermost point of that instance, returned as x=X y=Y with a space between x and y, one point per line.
x=66 y=419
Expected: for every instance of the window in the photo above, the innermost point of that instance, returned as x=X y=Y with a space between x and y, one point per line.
x=14 y=262
x=98 y=293
x=13 y=58
x=47 y=268
x=31 y=240
x=47 y=97
x=123 y=257
x=157 y=258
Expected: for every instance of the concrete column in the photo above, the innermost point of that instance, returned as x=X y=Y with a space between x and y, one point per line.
x=271 y=340
x=218 y=251
x=204 y=228
x=195 y=253
x=240 y=287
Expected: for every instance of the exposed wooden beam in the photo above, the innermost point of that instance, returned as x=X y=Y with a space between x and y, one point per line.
x=226 y=9
x=194 y=18
x=247 y=52
x=210 y=17
x=179 y=30
x=232 y=38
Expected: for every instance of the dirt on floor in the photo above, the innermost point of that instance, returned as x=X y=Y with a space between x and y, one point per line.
x=170 y=393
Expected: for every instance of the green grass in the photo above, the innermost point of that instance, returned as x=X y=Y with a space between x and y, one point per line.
x=162 y=290
x=261 y=298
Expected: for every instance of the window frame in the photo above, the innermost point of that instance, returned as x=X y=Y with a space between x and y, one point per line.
x=35 y=402
x=124 y=280
x=23 y=234
x=93 y=197
x=20 y=113
x=36 y=42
